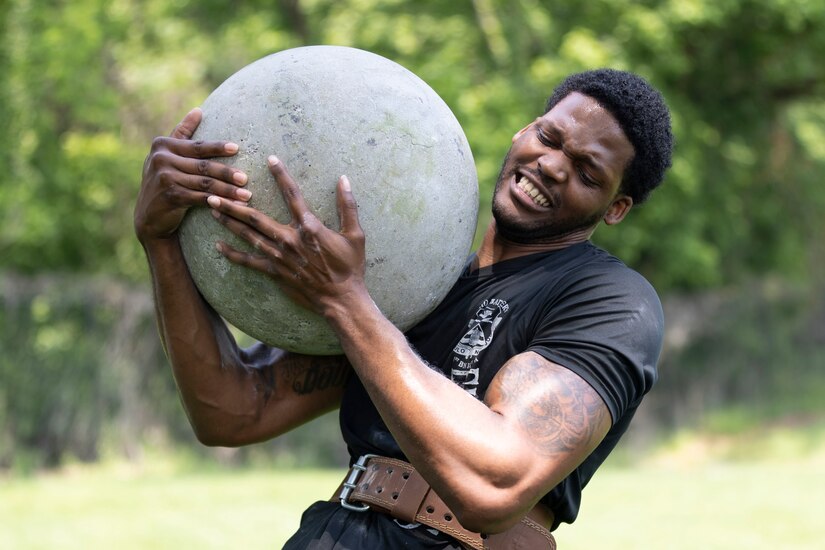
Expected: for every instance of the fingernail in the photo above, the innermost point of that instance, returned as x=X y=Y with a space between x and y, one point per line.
x=244 y=194
x=216 y=214
x=213 y=201
x=231 y=148
x=219 y=247
x=345 y=184
x=240 y=178
x=273 y=160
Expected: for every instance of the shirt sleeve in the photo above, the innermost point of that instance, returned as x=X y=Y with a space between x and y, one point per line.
x=606 y=325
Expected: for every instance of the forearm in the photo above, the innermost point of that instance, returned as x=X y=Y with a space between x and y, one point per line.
x=214 y=388
x=466 y=451
x=233 y=396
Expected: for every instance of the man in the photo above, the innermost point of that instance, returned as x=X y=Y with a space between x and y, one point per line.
x=505 y=399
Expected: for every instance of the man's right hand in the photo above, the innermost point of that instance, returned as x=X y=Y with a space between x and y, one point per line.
x=178 y=175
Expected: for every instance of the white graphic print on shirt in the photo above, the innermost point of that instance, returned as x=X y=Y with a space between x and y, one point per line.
x=464 y=368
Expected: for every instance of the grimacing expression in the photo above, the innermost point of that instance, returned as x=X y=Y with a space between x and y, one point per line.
x=563 y=174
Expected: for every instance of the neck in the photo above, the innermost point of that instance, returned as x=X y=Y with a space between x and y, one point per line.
x=497 y=248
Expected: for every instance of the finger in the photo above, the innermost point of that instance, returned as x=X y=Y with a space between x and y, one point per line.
x=186 y=127
x=290 y=280
x=200 y=149
x=240 y=218
x=210 y=169
x=182 y=142
x=207 y=186
x=347 y=208
x=289 y=189
x=288 y=277
x=247 y=259
x=256 y=239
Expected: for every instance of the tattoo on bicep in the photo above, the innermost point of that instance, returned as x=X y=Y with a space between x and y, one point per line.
x=560 y=420
x=317 y=374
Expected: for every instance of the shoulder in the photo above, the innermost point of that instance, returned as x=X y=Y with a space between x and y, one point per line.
x=605 y=322
x=602 y=279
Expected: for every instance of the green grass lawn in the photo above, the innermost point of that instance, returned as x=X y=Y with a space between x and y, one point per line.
x=664 y=503
x=724 y=507
x=126 y=508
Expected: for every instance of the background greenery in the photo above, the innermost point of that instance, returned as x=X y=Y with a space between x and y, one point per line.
x=168 y=506
x=733 y=239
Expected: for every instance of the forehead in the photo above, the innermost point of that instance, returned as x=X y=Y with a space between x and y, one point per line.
x=586 y=124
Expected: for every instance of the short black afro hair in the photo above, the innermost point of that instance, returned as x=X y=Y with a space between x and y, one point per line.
x=643 y=116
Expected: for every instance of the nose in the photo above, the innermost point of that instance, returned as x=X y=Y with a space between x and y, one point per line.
x=553 y=165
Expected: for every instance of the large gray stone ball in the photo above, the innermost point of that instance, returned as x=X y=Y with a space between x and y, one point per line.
x=326 y=111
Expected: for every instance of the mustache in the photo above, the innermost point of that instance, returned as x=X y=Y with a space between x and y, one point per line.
x=538 y=175
x=503 y=173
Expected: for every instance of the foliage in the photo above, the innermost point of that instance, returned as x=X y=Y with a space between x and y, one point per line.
x=82 y=372
x=88 y=83
x=80 y=360
x=743 y=358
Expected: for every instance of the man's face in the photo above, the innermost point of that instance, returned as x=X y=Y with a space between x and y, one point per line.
x=562 y=174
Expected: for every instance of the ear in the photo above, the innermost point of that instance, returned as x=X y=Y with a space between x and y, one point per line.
x=618 y=209
x=521 y=132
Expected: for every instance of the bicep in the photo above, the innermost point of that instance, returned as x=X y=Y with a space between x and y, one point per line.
x=558 y=414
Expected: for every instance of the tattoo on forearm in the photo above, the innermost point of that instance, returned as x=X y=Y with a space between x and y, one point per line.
x=317 y=374
x=559 y=420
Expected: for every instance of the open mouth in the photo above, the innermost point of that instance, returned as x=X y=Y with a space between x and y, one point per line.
x=525 y=185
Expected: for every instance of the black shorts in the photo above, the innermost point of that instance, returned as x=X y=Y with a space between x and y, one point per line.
x=329 y=526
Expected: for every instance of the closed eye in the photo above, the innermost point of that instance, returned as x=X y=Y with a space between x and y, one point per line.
x=546 y=139
x=587 y=178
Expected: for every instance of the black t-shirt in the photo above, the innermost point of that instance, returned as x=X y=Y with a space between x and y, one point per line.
x=579 y=307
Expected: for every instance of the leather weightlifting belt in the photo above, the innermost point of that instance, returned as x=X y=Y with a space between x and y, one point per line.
x=394 y=487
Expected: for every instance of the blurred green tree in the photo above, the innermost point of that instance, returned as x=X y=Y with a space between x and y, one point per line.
x=86 y=85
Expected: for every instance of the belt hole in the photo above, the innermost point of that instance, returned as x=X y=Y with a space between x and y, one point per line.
x=395 y=496
x=430 y=509
x=365 y=486
x=448 y=517
x=379 y=490
x=375 y=467
x=389 y=470
x=406 y=475
x=483 y=536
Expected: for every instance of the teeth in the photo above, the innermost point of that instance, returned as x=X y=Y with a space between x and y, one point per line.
x=534 y=193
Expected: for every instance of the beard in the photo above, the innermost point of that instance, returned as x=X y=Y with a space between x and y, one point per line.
x=555 y=226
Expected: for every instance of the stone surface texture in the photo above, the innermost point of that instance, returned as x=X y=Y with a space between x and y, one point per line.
x=327 y=111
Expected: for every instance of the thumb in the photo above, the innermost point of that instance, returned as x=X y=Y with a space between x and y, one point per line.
x=186 y=127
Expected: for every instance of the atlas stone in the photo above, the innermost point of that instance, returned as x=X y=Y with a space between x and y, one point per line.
x=327 y=111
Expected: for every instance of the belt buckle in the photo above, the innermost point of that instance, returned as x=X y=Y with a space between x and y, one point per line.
x=351 y=483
